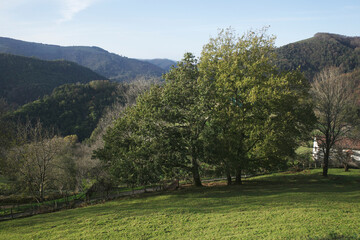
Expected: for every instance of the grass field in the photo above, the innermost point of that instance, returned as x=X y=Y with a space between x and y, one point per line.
x=278 y=206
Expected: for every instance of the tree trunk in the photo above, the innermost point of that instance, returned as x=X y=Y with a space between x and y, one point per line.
x=346 y=167
x=326 y=162
x=228 y=177
x=41 y=192
x=195 y=172
x=238 y=180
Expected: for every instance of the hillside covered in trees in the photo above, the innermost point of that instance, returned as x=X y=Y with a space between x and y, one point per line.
x=24 y=79
x=322 y=50
x=228 y=113
x=73 y=108
x=108 y=64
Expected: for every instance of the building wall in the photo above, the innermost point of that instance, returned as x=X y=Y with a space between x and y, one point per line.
x=318 y=156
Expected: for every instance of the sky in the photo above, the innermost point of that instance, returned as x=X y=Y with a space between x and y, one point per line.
x=149 y=29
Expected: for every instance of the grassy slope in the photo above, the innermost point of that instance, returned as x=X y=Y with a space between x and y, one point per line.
x=281 y=206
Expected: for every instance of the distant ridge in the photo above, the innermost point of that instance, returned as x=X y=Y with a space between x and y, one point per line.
x=24 y=79
x=352 y=42
x=322 y=50
x=107 y=64
x=163 y=63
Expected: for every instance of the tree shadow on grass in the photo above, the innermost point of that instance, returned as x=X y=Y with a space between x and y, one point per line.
x=336 y=236
x=280 y=191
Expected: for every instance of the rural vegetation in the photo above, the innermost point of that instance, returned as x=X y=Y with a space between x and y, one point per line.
x=234 y=103
x=244 y=107
x=73 y=108
x=280 y=206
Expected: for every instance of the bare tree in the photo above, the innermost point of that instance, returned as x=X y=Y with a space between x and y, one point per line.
x=334 y=106
x=344 y=157
x=33 y=161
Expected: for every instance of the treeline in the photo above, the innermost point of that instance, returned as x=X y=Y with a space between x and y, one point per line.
x=231 y=112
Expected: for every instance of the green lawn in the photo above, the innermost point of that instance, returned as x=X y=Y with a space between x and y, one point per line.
x=280 y=206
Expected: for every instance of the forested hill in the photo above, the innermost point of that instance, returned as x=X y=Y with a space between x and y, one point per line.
x=322 y=50
x=72 y=108
x=110 y=65
x=24 y=79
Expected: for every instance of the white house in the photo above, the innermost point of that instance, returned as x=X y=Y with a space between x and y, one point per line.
x=348 y=146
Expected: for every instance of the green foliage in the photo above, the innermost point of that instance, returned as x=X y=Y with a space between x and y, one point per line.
x=321 y=51
x=130 y=152
x=107 y=64
x=162 y=133
x=280 y=206
x=302 y=158
x=72 y=108
x=5 y=185
x=25 y=79
x=257 y=113
x=233 y=110
x=185 y=117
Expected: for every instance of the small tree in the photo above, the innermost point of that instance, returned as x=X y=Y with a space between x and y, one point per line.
x=344 y=157
x=334 y=106
x=32 y=162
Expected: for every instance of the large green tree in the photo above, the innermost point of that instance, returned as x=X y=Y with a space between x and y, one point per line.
x=130 y=150
x=257 y=112
x=186 y=114
x=161 y=135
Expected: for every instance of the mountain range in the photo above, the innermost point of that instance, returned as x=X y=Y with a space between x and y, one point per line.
x=110 y=65
x=75 y=108
x=313 y=54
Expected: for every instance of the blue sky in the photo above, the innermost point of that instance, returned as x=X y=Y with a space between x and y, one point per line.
x=169 y=28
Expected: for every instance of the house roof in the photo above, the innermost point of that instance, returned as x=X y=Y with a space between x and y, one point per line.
x=345 y=143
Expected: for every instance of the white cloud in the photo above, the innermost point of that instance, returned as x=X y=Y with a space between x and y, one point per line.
x=66 y=8
x=71 y=7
